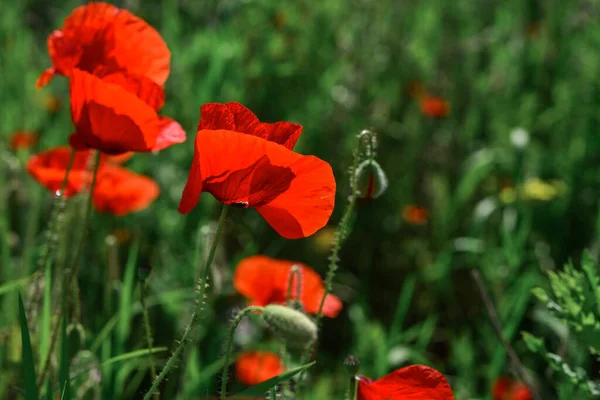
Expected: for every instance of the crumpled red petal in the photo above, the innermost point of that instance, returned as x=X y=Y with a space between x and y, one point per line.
x=265 y=280
x=294 y=193
x=99 y=35
x=235 y=117
x=416 y=382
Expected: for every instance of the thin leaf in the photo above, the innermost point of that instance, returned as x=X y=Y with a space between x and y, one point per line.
x=64 y=362
x=31 y=391
x=261 y=388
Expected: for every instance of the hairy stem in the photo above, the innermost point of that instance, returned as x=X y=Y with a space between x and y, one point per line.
x=148 y=333
x=201 y=290
x=491 y=311
x=238 y=318
x=74 y=267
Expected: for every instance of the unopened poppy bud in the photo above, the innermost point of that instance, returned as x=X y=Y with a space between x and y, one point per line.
x=371 y=181
x=293 y=326
x=352 y=364
x=143 y=272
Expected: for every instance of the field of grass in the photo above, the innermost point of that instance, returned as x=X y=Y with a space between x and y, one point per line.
x=504 y=191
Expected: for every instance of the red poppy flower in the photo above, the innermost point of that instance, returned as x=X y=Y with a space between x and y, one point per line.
x=120 y=191
x=506 y=388
x=117 y=113
x=415 y=215
x=434 y=107
x=49 y=167
x=23 y=140
x=255 y=367
x=239 y=161
x=265 y=280
x=100 y=35
x=416 y=382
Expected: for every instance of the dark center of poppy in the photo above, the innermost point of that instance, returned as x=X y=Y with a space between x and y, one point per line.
x=241 y=204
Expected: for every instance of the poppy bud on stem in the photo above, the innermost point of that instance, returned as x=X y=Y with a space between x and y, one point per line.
x=365 y=146
x=293 y=326
x=238 y=318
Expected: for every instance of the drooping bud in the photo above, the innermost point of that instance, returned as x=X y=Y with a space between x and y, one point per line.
x=371 y=181
x=296 y=328
x=352 y=364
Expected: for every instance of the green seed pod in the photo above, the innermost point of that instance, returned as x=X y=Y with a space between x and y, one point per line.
x=294 y=327
x=371 y=181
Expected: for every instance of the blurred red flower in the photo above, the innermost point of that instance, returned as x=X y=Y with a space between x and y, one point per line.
x=265 y=280
x=120 y=191
x=506 y=388
x=49 y=167
x=415 y=215
x=434 y=107
x=416 y=382
x=101 y=35
x=245 y=163
x=254 y=367
x=117 y=113
x=23 y=140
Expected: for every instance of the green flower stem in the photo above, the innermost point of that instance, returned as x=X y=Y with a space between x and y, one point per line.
x=148 y=333
x=352 y=388
x=238 y=318
x=200 y=291
x=74 y=265
x=297 y=272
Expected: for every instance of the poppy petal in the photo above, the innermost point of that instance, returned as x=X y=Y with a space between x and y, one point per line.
x=255 y=367
x=109 y=118
x=284 y=133
x=100 y=34
x=144 y=88
x=415 y=382
x=193 y=187
x=120 y=191
x=45 y=78
x=235 y=117
x=170 y=133
x=307 y=205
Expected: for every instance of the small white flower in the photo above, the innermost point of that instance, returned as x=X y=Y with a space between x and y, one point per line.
x=519 y=137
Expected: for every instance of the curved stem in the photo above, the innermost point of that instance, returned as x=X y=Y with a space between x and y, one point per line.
x=297 y=272
x=201 y=290
x=74 y=267
x=238 y=318
x=148 y=333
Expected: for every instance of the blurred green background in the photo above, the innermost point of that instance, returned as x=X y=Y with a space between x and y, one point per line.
x=336 y=67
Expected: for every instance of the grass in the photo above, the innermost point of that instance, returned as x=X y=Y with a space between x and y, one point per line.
x=336 y=67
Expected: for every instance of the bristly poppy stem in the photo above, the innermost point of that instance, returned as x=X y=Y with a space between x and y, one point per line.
x=148 y=331
x=512 y=354
x=200 y=291
x=295 y=271
x=238 y=318
x=74 y=265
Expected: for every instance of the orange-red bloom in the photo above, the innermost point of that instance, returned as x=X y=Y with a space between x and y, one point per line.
x=100 y=35
x=265 y=280
x=117 y=113
x=506 y=388
x=415 y=215
x=245 y=163
x=120 y=191
x=23 y=140
x=434 y=107
x=416 y=382
x=49 y=167
x=255 y=367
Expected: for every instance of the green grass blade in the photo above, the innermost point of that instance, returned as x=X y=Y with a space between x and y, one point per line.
x=126 y=299
x=31 y=391
x=261 y=388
